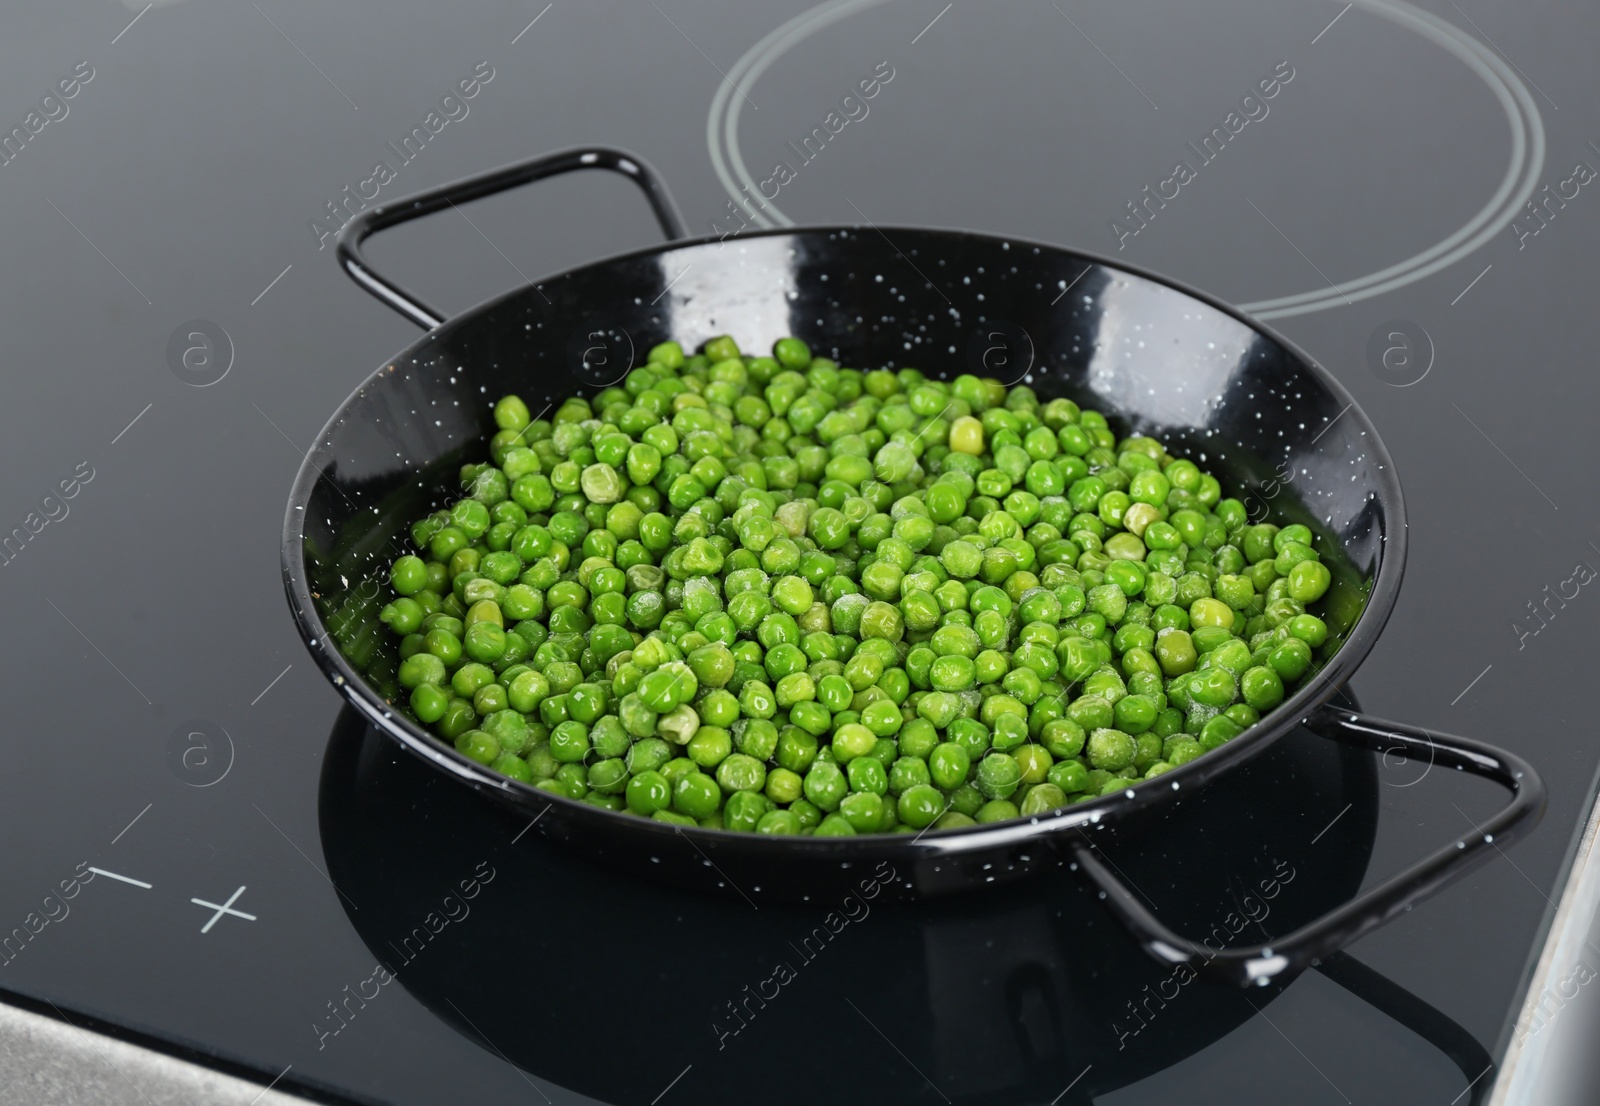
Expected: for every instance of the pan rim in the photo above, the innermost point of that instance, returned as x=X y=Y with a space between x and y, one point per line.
x=1102 y=810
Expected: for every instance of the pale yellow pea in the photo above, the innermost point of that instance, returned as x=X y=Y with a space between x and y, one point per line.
x=966 y=435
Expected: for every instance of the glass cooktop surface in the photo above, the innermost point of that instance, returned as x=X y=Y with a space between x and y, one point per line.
x=204 y=849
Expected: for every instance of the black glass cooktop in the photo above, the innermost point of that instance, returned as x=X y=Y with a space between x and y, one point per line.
x=202 y=849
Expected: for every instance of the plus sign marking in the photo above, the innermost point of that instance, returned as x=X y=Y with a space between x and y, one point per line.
x=224 y=908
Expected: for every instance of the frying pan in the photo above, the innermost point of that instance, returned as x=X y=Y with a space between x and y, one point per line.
x=1157 y=358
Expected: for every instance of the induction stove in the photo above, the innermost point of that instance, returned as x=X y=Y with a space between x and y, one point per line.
x=207 y=857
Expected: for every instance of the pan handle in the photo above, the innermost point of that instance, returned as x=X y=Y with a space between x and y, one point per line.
x=1305 y=947
x=358 y=229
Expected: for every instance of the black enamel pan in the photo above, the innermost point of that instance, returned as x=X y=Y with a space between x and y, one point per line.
x=1157 y=358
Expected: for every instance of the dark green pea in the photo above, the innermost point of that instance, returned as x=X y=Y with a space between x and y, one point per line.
x=835 y=693
x=797 y=749
x=586 y=702
x=513 y=767
x=573 y=779
x=446 y=542
x=1262 y=688
x=553 y=711
x=489 y=699
x=991 y=666
x=1243 y=714
x=1040 y=799
x=918 y=739
x=423 y=668
x=1062 y=738
x=1024 y=683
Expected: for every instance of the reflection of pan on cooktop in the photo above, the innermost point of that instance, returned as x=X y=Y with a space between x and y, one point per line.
x=611 y=986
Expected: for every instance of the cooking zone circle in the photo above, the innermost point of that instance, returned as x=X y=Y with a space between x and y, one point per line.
x=1526 y=154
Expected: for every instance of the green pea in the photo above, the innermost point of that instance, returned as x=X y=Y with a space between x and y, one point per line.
x=569 y=742
x=1308 y=580
x=949 y=765
x=648 y=792
x=998 y=775
x=1213 y=687
x=825 y=785
x=1110 y=749
x=477 y=745
x=863 y=810
x=510 y=413
x=1309 y=629
x=835 y=825
x=408 y=575
x=1069 y=775
x=920 y=805
x=1134 y=714
x=1290 y=659
x=1041 y=799
x=708 y=746
x=997 y=810
x=696 y=795
x=1261 y=687
x=1218 y=731
x=739 y=772
x=428 y=702
x=782 y=823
